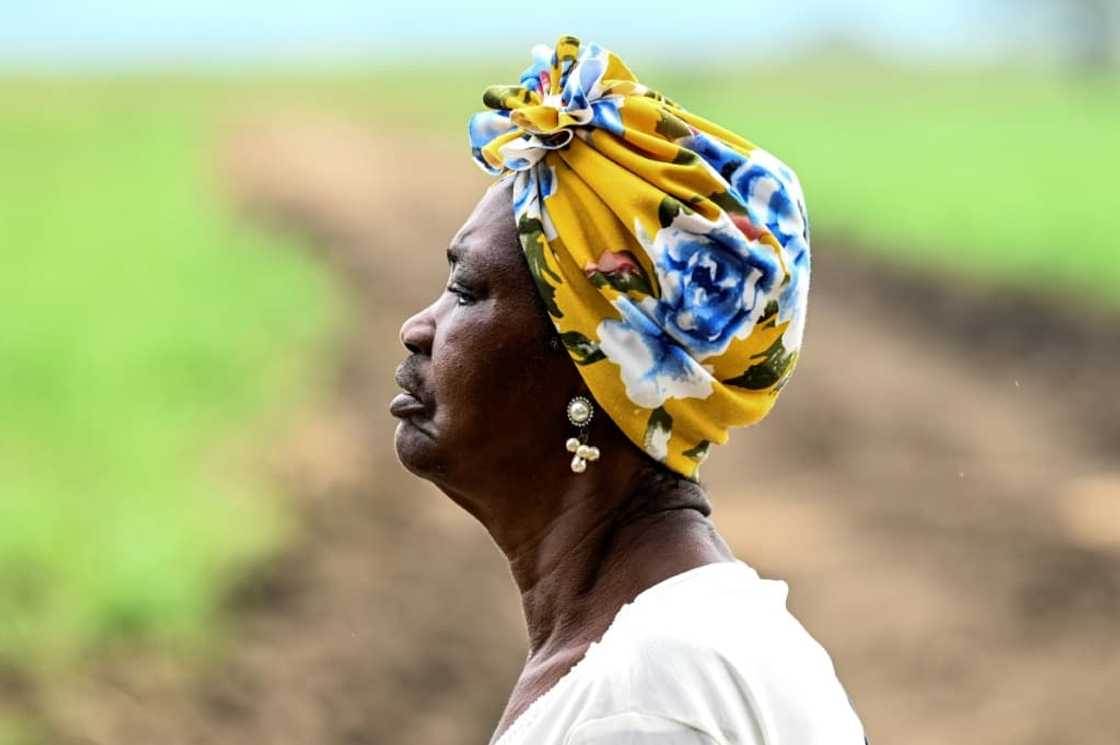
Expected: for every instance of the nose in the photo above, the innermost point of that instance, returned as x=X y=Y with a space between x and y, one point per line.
x=417 y=332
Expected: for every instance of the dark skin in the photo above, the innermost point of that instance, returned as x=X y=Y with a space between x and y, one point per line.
x=487 y=425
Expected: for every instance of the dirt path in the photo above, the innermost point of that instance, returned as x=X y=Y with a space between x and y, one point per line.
x=941 y=491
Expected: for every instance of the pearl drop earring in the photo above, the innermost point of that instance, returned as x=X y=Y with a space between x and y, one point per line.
x=580 y=412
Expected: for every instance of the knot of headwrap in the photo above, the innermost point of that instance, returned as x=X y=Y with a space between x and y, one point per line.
x=671 y=254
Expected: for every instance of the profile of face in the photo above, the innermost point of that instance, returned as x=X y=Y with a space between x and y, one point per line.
x=485 y=392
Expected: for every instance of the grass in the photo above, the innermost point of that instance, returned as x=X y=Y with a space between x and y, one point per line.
x=145 y=337
x=18 y=732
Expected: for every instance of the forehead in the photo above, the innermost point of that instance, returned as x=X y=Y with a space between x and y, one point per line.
x=488 y=238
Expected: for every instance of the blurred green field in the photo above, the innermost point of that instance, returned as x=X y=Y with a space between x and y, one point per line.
x=146 y=339
x=147 y=336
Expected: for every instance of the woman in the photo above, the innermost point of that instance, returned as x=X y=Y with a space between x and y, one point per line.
x=632 y=286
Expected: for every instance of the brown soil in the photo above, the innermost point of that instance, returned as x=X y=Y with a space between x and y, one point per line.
x=940 y=486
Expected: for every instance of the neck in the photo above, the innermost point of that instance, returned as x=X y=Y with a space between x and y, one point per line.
x=595 y=542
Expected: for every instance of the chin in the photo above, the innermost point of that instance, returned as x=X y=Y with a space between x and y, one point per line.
x=417 y=448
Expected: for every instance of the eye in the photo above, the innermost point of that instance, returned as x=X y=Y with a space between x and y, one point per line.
x=465 y=297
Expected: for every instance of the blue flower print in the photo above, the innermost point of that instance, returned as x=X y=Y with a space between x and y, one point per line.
x=715 y=284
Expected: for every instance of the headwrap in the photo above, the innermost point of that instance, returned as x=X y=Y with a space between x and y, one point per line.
x=671 y=254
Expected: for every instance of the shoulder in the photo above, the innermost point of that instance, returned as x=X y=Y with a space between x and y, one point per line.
x=722 y=653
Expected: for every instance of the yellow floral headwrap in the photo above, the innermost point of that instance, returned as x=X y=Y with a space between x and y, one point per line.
x=672 y=255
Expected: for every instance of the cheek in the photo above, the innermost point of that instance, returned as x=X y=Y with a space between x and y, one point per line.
x=492 y=380
x=475 y=363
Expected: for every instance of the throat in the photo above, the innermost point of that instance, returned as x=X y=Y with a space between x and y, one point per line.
x=572 y=605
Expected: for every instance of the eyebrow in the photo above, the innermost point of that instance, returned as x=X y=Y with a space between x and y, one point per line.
x=454 y=253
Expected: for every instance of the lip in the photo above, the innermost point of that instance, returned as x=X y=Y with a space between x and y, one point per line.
x=405 y=405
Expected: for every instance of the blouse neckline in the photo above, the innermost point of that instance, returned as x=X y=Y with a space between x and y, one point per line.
x=533 y=712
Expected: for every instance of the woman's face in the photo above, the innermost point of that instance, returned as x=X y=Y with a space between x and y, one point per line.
x=488 y=395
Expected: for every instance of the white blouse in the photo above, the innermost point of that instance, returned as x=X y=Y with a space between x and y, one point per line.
x=708 y=656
